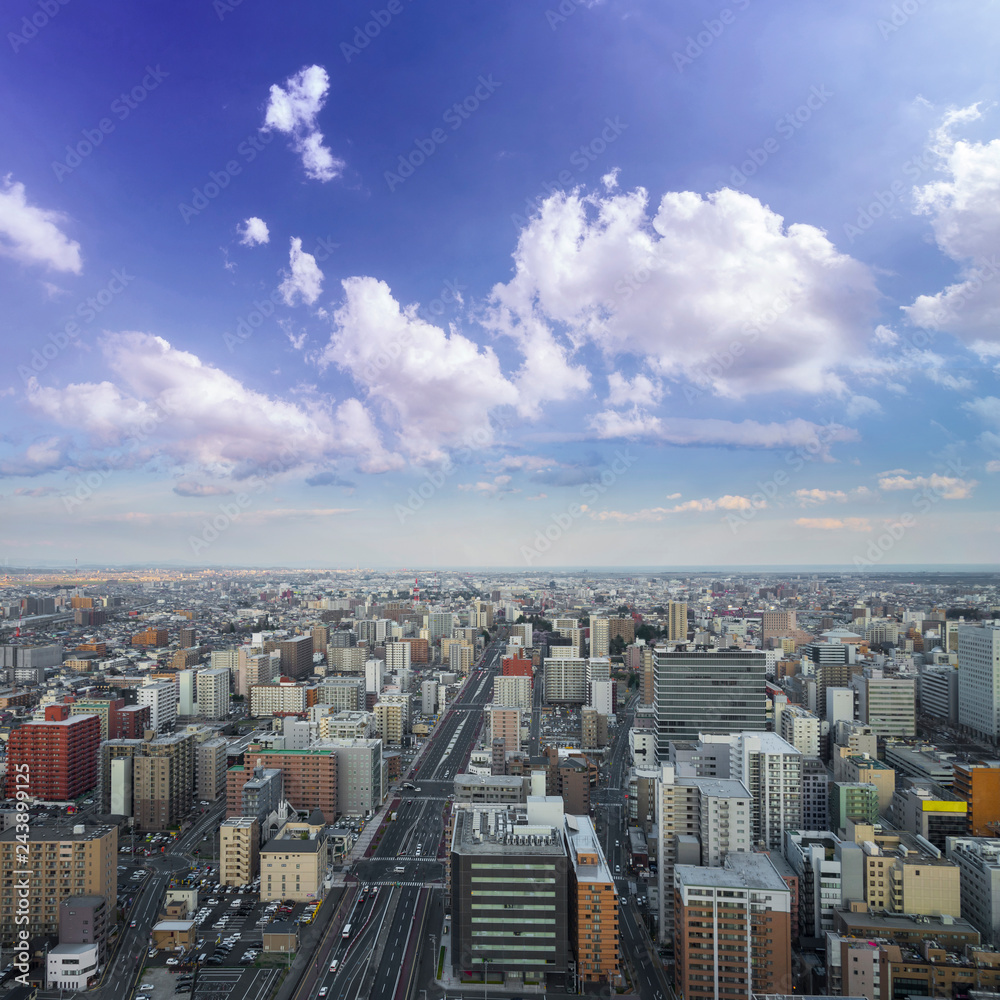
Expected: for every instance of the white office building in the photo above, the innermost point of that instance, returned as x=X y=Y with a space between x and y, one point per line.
x=979 y=680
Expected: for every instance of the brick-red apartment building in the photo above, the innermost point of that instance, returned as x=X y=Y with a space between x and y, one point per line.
x=60 y=754
x=514 y=666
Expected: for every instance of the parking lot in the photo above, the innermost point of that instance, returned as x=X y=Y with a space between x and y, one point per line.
x=207 y=984
x=230 y=923
x=561 y=727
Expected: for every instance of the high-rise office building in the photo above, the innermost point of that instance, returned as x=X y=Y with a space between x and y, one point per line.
x=719 y=691
x=887 y=704
x=509 y=895
x=979 y=681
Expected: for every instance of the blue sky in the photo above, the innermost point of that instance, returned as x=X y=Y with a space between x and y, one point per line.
x=590 y=283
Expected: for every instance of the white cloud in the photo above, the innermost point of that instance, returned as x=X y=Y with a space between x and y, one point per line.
x=304 y=279
x=809 y=498
x=835 y=523
x=253 y=232
x=45 y=455
x=964 y=206
x=639 y=391
x=32 y=235
x=293 y=110
x=795 y=433
x=993 y=466
x=491 y=488
x=436 y=389
x=168 y=402
x=947 y=487
x=680 y=287
x=862 y=406
x=704 y=505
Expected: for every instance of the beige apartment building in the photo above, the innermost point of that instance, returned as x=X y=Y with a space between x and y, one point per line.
x=239 y=840
x=61 y=862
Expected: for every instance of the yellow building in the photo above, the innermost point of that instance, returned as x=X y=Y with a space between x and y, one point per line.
x=293 y=864
x=915 y=885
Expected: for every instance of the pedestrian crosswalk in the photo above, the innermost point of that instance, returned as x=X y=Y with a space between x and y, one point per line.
x=416 y=884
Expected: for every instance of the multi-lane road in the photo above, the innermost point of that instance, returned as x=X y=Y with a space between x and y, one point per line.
x=377 y=960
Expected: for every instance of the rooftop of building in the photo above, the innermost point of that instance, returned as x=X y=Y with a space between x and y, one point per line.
x=503 y=830
x=582 y=839
x=71 y=832
x=488 y=781
x=741 y=871
x=858 y=924
x=241 y=822
x=866 y=760
x=718 y=788
x=292 y=843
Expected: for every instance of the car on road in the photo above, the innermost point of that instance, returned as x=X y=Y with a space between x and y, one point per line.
x=133 y=924
x=323 y=991
x=334 y=965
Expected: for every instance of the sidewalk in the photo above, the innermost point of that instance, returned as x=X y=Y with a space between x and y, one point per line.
x=448 y=981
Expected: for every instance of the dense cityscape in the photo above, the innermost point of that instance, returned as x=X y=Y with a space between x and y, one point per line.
x=498 y=500
x=390 y=783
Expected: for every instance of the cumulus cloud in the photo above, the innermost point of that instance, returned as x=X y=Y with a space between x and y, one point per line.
x=964 y=207
x=639 y=391
x=946 y=487
x=704 y=505
x=835 y=523
x=304 y=279
x=810 y=498
x=45 y=455
x=680 y=286
x=172 y=403
x=31 y=235
x=293 y=110
x=436 y=389
x=253 y=232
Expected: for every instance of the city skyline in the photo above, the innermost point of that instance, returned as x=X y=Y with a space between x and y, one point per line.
x=565 y=285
